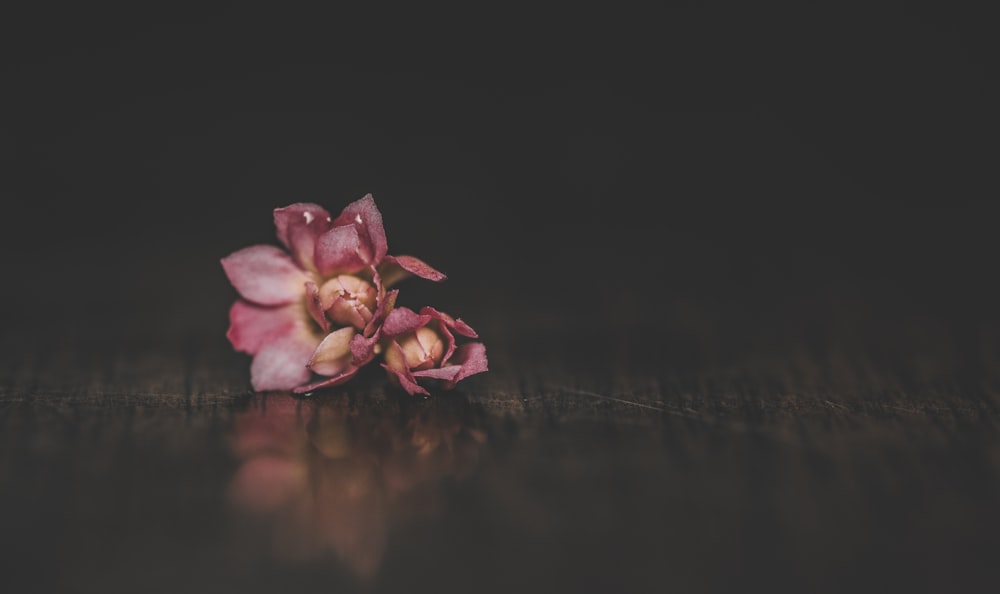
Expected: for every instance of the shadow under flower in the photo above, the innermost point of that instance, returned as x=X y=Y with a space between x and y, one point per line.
x=331 y=477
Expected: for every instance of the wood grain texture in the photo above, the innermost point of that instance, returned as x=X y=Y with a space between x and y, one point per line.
x=843 y=455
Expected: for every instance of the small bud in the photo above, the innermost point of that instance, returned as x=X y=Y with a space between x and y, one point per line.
x=348 y=300
x=421 y=349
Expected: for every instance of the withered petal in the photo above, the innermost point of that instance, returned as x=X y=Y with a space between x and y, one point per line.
x=363 y=347
x=363 y=215
x=252 y=326
x=265 y=275
x=315 y=306
x=455 y=324
x=339 y=250
x=417 y=267
x=281 y=363
x=333 y=355
x=336 y=380
x=403 y=319
x=385 y=306
x=471 y=358
x=402 y=373
x=298 y=227
x=442 y=373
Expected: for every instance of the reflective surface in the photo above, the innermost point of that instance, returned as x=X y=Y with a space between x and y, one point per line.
x=384 y=493
x=331 y=480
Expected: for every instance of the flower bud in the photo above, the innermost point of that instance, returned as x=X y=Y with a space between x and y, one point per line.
x=348 y=300
x=420 y=349
x=423 y=346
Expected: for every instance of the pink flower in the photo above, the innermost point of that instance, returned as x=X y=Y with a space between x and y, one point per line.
x=423 y=346
x=317 y=306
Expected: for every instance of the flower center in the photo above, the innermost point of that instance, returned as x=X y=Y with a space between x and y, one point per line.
x=348 y=300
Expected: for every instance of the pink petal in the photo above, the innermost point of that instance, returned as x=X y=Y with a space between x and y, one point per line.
x=455 y=324
x=406 y=379
x=265 y=275
x=441 y=373
x=298 y=227
x=417 y=267
x=339 y=250
x=384 y=308
x=363 y=347
x=403 y=319
x=472 y=360
x=281 y=364
x=333 y=355
x=449 y=339
x=315 y=306
x=445 y=327
x=391 y=272
x=252 y=326
x=365 y=216
x=336 y=380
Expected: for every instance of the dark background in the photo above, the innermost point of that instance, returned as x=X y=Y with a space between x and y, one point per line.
x=574 y=161
x=735 y=267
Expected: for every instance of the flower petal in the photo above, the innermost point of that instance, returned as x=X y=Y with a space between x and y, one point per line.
x=382 y=310
x=447 y=324
x=414 y=266
x=298 y=227
x=471 y=358
x=402 y=373
x=339 y=250
x=363 y=347
x=442 y=373
x=391 y=272
x=336 y=380
x=315 y=306
x=281 y=363
x=265 y=275
x=455 y=324
x=252 y=326
x=403 y=319
x=333 y=355
x=366 y=218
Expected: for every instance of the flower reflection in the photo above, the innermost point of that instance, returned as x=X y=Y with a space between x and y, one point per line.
x=332 y=477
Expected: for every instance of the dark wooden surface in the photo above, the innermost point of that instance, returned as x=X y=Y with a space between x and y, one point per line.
x=736 y=280
x=855 y=454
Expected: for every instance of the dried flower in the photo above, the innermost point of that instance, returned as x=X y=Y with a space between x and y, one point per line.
x=292 y=299
x=312 y=314
x=423 y=346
